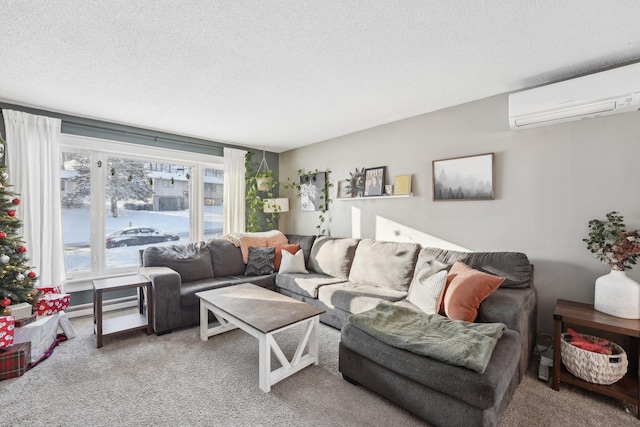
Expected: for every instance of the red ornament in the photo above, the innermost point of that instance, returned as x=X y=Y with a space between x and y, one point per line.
x=31 y=275
x=3 y=234
x=16 y=201
x=11 y=212
x=21 y=249
x=5 y=302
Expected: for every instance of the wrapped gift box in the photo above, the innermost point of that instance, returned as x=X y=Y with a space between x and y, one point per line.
x=66 y=326
x=7 y=326
x=15 y=361
x=21 y=311
x=26 y=321
x=50 y=289
x=52 y=303
x=41 y=334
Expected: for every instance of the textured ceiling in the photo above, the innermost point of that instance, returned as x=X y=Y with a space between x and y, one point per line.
x=286 y=73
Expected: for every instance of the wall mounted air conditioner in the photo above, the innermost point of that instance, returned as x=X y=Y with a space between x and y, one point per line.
x=601 y=94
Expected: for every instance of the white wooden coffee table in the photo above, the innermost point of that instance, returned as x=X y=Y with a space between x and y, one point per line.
x=263 y=313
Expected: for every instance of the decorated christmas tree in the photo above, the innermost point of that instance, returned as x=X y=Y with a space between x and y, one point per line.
x=16 y=278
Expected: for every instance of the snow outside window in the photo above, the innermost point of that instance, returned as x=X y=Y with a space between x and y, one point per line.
x=121 y=198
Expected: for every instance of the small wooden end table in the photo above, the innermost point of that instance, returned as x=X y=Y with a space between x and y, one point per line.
x=263 y=313
x=626 y=389
x=126 y=323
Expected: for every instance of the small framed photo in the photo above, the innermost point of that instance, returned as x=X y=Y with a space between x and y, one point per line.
x=374 y=181
x=463 y=178
x=402 y=185
x=343 y=191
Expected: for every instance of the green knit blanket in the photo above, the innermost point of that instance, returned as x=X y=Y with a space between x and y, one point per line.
x=451 y=341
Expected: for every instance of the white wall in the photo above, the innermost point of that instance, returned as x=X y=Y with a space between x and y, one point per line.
x=549 y=182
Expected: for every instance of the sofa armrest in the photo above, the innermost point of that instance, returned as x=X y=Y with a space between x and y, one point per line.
x=516 y=308
x=165 y=283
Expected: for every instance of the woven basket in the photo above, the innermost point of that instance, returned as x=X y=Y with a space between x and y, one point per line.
x=594 y=367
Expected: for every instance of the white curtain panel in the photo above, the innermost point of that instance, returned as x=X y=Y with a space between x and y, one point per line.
x=234 y=207
x=33 y=165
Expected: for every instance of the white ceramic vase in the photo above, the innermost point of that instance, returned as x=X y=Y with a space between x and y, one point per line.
x=618 y=295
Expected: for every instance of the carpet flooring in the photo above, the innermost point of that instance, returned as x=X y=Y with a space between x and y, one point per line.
x=178 y=380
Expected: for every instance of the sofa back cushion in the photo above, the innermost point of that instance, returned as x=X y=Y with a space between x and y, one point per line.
x=226 y=258
x=332 y=256
x=513 y=266
x=384 y=264
x=191 y=261
x=305 y=242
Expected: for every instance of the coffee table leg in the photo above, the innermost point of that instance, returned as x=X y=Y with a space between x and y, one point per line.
x=313 y=340
x=265 y=364
x=204 y=322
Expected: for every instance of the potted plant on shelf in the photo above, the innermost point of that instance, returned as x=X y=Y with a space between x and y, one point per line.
x=615 y=293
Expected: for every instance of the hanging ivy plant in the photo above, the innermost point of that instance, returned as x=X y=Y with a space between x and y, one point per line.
x=255 y=195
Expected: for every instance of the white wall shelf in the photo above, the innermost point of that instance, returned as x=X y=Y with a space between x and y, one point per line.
x=352 y=199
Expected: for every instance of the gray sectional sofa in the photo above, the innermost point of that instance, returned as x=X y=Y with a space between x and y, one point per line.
x=177 y=272
x=349 y=276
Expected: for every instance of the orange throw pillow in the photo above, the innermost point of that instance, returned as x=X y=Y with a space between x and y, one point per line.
x=291 y=248
x=467 y=290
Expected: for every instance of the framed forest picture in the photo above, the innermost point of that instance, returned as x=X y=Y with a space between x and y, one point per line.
x=463 y=178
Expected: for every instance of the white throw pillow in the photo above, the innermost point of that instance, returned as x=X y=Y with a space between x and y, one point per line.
x=293 y=263
x=426 y=291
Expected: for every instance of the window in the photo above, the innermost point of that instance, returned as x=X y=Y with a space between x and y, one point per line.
x=212 y=205
x=119 y=198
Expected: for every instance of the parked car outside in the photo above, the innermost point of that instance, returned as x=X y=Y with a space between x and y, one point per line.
x=135 y=236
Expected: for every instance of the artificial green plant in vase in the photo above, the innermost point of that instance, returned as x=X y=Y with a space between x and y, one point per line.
x=615 y=293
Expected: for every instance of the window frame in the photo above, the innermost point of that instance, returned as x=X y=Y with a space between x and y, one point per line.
x=100 y=150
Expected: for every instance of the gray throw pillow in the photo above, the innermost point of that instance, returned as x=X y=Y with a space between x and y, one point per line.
x=260 y=261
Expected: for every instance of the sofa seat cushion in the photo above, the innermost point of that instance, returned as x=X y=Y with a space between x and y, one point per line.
x=385 y=264
x=479 y=390
x=305 y=284
x=226 y=258
x=192 y=261
x=188 y=290
x=267 y=281
x=356 y=298
x=332 y=256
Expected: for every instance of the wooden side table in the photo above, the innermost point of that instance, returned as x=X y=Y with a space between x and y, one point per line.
x=575 y=313
x=126 y=323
